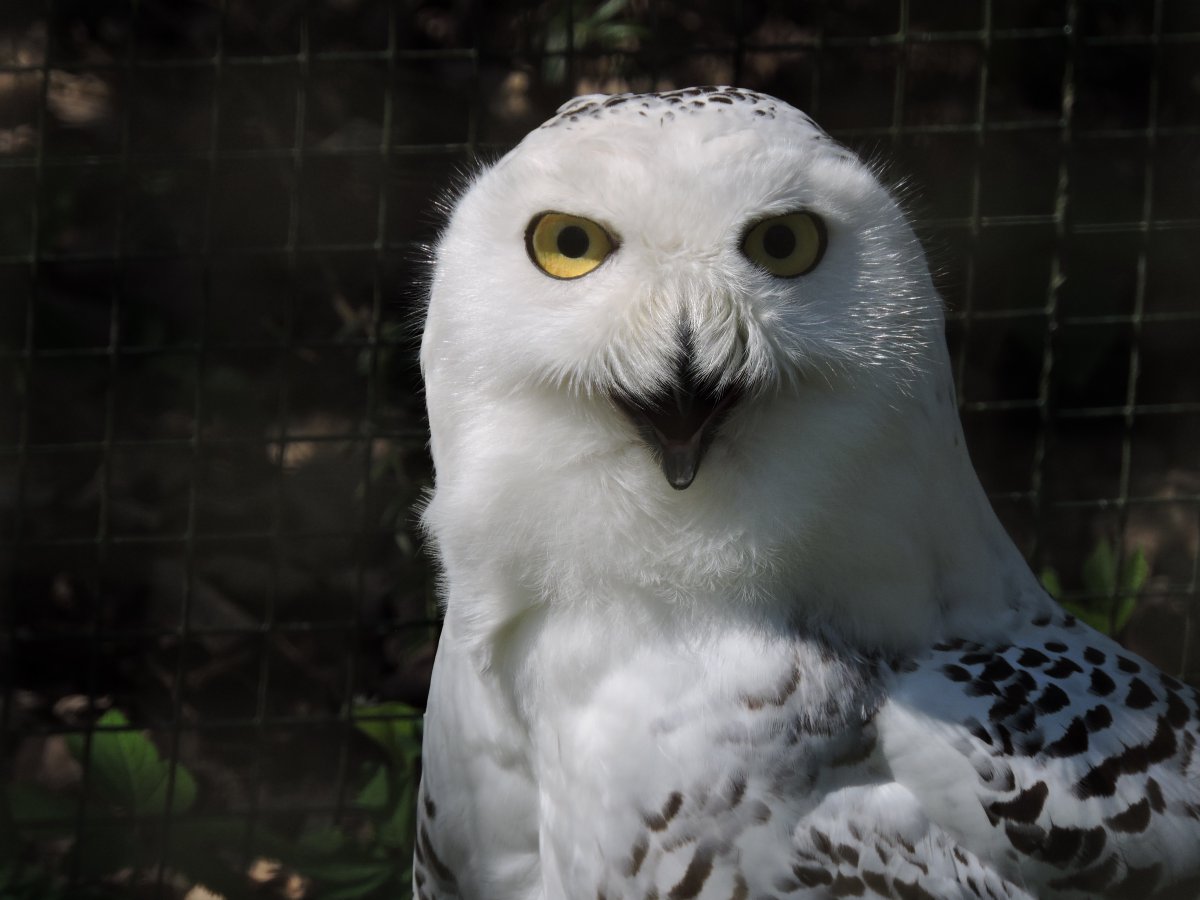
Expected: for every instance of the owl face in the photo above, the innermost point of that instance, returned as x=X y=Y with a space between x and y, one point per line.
x=677 y=258
x=682 y=351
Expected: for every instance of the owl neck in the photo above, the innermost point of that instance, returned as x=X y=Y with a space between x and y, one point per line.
x=872 y=524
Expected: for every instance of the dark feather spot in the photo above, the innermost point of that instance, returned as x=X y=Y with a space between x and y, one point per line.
x=1140 y=696
x=847 y=854
x=1031 y=658
x=1141 y=882
x=1032 y=745
x=1006 y=744
x=1052 y=699
x=877 y=882
x=1055 y=646
x=1004 y=707
x=737 y=790
x=812 y=876
x=1102 y=685
x=956 y=673
x=1094 y=840
x=1098 y=718
x=1025 y=807
x=980 y=688
x=1155 y=795
x=975 y=658
x=1125 y=664
x=1041 y=621
x=912 y=891
x=1024 y=721
x=1073 y=742
x=997 y=670
x=637 y=856
x=847 y=886
x=695 y=875
x=1064 y=667
x=1177 y=710
x=980 y=733
x=659 y=821
x=1025 y=839
x=1091 y=880
x=1100 y=781
x=821 y=842
x=1162 y=746
x=1026 y=681
x=1135 y=818
x=1061 y=845
x=1094 y=656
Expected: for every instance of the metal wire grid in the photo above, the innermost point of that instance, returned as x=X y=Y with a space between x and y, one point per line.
x=973 y=232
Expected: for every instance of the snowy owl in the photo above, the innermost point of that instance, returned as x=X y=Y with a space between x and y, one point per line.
x=728 y=615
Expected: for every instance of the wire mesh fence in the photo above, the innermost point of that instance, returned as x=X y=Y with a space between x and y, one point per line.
x=216 y=621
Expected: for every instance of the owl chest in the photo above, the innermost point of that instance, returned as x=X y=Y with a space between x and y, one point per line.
x=670 y=754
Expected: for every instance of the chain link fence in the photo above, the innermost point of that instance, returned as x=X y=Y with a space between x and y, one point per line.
x=216 y=619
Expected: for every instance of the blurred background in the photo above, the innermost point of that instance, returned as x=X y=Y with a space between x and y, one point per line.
x=216 y=615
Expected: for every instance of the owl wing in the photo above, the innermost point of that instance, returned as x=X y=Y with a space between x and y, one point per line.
x=1064 y=762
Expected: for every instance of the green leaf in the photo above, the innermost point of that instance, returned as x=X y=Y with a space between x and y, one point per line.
x=396 y=727
x=398 y=831
x=1100 y=569
x=1051 y=583
x=376 y=793
x=1123 y=612
x=1135 y=573
x=127 y=771
x=321 y=841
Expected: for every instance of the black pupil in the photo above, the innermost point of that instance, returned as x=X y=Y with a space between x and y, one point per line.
x=779 y=241
x=572 y=242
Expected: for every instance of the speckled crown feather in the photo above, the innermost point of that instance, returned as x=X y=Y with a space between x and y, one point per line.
x=664 y=107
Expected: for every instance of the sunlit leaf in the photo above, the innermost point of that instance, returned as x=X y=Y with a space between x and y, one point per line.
x=126 y=770
x=1135 y=572
x=1100 y=569
x=1051 y=583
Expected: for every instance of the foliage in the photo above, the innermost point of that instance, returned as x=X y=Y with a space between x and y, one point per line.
x=129 y=786
x=1110 y=587
x=599 y=27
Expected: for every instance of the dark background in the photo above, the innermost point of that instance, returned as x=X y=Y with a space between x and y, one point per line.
x=213 y=216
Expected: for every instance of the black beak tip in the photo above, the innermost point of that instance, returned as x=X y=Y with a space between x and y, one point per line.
x=680 y=464
x=681 y=481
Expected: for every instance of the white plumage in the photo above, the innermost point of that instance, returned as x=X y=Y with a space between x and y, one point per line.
x=727 y=612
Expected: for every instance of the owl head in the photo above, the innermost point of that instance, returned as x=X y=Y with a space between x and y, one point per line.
x=683 y=347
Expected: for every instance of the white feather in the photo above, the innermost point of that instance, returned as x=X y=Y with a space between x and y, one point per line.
x=708 y=692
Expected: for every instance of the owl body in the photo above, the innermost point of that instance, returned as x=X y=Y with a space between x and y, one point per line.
x=727 y=612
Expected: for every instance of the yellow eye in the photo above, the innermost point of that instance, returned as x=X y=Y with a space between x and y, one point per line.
x=566 y=246
x=786 y=246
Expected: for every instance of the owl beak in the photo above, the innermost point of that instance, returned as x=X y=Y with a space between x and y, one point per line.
x=678 y=422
